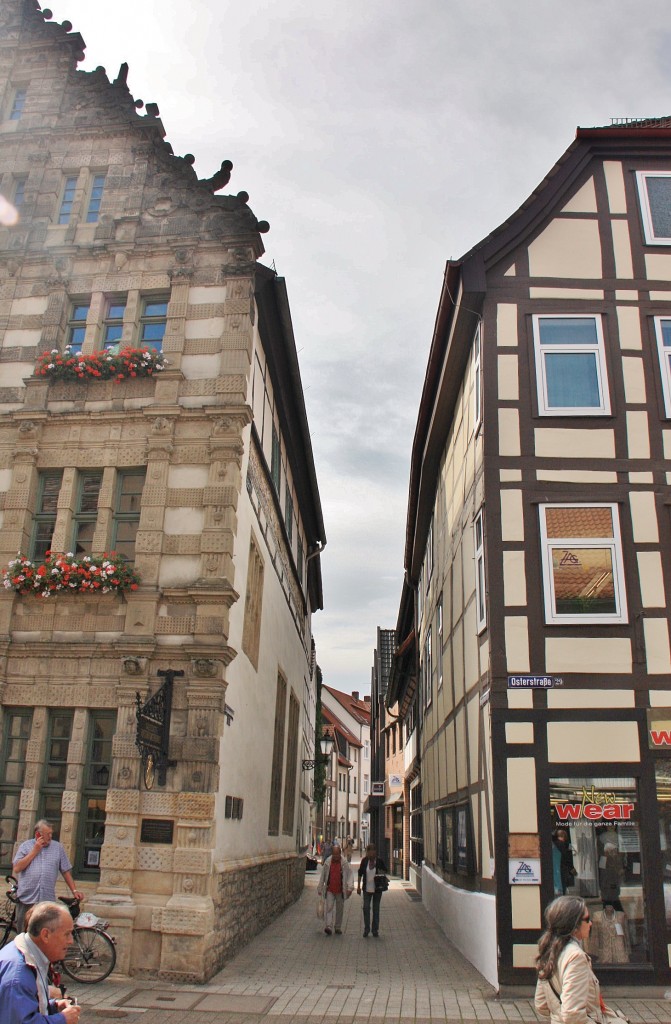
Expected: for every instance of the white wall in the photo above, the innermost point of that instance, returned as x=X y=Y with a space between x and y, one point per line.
x=467 y=918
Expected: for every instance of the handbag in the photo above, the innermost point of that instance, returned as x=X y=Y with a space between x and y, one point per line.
x=609 y=1015
x=381 y=882
x=320 y=908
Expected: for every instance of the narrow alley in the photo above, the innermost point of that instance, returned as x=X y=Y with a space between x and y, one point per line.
x=293 y=972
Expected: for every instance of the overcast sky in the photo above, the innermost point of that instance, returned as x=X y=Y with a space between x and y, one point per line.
x=379 y=138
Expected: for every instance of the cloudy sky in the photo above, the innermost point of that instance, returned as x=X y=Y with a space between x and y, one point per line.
x=379 y=138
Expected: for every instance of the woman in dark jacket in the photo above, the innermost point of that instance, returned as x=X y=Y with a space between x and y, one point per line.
x=371 y=867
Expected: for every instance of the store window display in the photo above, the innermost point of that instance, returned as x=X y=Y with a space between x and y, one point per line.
x=599 y=819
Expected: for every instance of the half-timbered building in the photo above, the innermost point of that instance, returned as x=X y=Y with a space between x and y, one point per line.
x=538 y=554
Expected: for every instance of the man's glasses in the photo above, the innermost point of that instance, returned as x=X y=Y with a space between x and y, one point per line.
x=587 y=919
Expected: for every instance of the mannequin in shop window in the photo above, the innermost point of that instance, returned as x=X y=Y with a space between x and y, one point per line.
x=611 y=874
x=609 y=938
x=563 y=870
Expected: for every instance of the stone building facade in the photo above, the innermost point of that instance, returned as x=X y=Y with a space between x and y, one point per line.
x=200 y=476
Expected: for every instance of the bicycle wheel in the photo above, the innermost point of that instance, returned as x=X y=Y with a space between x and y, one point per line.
x=7 y=931
x=91 y=957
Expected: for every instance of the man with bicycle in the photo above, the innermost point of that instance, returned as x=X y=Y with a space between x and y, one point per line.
x=37 y=865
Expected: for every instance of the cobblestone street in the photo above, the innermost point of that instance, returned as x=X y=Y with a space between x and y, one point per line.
x=293 y=972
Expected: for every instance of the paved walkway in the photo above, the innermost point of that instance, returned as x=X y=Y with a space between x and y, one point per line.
x=294 y=974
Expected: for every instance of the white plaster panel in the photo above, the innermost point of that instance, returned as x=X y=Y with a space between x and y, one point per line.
x=517 y=643
x=656 y=296
x=638 y=435
x=522 y=815
x=467 y=918
x=5 y=479
x=657 y=651
x=188 y=476
x=510 y=475
x=13 y=374
x=519 y=732
x=471 y=661
x=584 y=200
x=651 y=579
x=514 y=578
x=511 y=271
x=509 y=387
x=201 y=367
x=577 y=476
x=183 y=521
x=506 y=324
x=526 y=906
x=617 y=200
x=657 y=267
x=598 y=655
x=634 y=380
x=588 y=294
x=559 y=698
x=213 y=327
x=660 y=699
x=460 y=726
x=666 y=440
x=512 y=525
x=473 y=720
x=641 y=478
x=20 y=338
x=201 y=295
x=509 y=432
x=626 y=294
x=33 y=305
x=574 y=742
x=524 y=954
x=520 y=699
x=644 y=517
x=624 y=266
x=582 y=444
x=178 y=570
x=567 y=248
x=629 y=327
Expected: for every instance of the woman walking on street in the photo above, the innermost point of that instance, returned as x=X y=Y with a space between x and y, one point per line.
x=568 y=990
x=373 y=874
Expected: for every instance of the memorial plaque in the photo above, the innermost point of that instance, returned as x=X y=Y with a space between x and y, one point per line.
x=157 y=830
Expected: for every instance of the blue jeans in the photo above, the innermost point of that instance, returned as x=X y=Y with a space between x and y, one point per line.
x=375 y=897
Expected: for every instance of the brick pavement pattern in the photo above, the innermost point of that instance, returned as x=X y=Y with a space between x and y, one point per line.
x=292 y=973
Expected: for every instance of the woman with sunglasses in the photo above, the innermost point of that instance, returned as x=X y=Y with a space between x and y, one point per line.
x=568 y=990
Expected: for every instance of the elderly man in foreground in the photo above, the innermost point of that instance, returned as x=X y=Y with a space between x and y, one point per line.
x=24 y=967
x=336 y=885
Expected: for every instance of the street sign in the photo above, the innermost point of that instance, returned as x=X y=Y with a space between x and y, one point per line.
x=377 y=789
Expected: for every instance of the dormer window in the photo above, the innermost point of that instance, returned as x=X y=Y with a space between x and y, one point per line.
x=654 y=190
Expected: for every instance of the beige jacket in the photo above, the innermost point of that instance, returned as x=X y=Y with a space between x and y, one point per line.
x=578 y=987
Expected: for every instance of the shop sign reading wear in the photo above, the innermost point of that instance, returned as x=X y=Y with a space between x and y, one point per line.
x=659 y=728
x=594 y=807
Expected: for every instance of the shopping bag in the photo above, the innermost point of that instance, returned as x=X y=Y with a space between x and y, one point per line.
x=320 y=908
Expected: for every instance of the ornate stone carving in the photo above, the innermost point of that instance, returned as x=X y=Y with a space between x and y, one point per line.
x=204 y=667
x=134 y=666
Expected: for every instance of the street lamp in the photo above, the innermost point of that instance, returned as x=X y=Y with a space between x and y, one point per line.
x=326 y=743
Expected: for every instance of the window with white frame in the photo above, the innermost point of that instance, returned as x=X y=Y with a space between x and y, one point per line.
x=477 y=378
x=654 y=192
x=115 y=311
x=95 y=198
x=583 y=573
x=570 y=365
x=428 y=670
x=153 y=322
x=439 y=630
x=67 y=199
x=76 y=327
x=18 y=103
x=480 y=581
x=663 y=334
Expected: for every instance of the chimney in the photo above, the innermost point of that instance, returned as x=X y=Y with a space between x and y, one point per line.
x=366 y=698
x=355 y=694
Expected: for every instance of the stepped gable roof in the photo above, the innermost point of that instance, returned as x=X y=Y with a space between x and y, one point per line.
x=463 y=291
x=333 y=720
x=92 y=103
x=358 y=709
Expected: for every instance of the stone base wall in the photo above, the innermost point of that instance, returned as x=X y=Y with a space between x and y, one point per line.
x=247 y=900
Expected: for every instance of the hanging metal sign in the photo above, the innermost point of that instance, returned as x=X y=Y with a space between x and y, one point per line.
x=152 y=736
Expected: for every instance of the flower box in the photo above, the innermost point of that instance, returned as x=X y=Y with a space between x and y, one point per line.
x=63 y=574
x=127 y=364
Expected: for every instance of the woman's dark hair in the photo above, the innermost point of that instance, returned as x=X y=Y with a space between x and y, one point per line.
x=562 y=917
